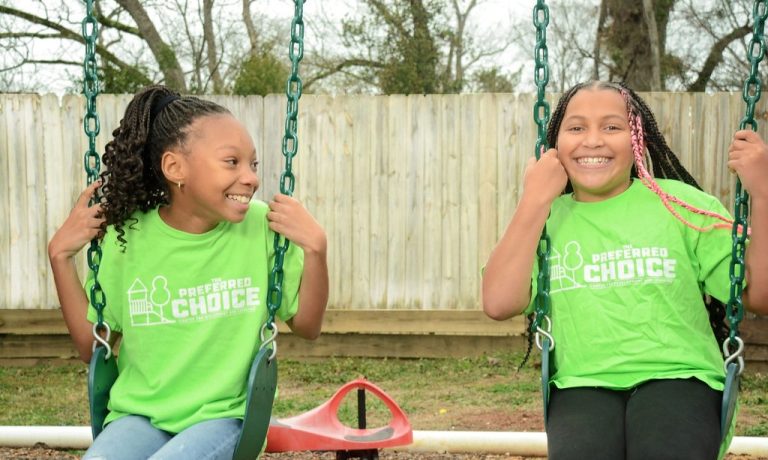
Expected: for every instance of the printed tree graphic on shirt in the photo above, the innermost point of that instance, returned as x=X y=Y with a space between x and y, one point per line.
x=563 y=267
x=146 y=308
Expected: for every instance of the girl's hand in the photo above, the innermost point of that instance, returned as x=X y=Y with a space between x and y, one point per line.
x=545 y=178
x=83 y=224
x=748 y=157
x=288 y=217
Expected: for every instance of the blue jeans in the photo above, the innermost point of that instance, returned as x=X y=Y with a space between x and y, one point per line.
x=133 y=438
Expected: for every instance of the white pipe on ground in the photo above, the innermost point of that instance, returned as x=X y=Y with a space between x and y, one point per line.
x=490 y=442
x=56 y=437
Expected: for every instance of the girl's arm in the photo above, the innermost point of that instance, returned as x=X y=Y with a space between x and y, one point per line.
x=83 y=224
x=507 y=276
x=289 y=218
x=748 y=157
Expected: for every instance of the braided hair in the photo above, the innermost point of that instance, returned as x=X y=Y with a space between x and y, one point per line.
x=157 y=119
x=647 y=138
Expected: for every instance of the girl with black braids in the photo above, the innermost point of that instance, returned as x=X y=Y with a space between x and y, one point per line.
x=186 y=258
x=637 y=368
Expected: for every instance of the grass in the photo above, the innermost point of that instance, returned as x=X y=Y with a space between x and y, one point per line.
x=437 y=394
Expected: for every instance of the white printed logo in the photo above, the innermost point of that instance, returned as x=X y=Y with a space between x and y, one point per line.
x=217 y=298
x=620 y=267
x=146 y=307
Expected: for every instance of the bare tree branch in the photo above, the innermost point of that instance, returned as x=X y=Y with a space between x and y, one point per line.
x=715 y=57
x=340 y=66
x=55 y=62
x=67 y=34
x=106 y=21
x=164 y=54
x=29 y=35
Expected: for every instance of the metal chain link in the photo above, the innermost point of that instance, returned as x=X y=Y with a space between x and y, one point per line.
x=91 y=159
x=541 y=115
x=751 y=94
x=290 y=148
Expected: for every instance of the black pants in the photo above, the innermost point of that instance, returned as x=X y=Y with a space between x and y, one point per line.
x=660 y=419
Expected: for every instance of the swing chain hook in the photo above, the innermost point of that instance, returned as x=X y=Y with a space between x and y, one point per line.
x=104 y=341
x=737 y=355
x=546 y=332
x=271 y=340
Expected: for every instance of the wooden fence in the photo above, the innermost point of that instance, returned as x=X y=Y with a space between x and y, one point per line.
x=413 y=191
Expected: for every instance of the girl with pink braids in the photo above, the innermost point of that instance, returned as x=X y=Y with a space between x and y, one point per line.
x=639 y=271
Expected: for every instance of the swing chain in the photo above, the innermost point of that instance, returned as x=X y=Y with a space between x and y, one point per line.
x=541 y=115
x=290 y=148
x=751 y=94
x=755 y=53
x=541 y=75
x=92 y=162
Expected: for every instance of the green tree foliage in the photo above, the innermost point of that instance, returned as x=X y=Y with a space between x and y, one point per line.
x=400 y=37
x=494 y=80
x=122 y=81
x=412 y=57
x=262 y=73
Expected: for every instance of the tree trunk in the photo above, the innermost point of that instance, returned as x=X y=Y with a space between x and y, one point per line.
x=653 y=41
x=627 y=41
x=210 y=42
x=458 y=44
x=164 y=54
x=253 y=37
x=596 y=49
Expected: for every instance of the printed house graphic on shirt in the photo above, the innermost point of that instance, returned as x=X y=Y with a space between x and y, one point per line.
x=145 y=306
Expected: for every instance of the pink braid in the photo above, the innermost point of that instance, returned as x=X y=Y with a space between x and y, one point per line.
x=638 y=149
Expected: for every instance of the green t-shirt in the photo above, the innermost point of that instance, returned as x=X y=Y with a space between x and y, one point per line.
x=626 y=286
x=190 y=308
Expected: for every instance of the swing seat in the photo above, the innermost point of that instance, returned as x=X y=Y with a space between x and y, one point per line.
x=102 y=373
x=730 y=396
x=319 y=429
x=546 y=373
x=262 y=382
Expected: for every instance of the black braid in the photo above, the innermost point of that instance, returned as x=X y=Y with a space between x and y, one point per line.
x=133 y=179
x=664 y=162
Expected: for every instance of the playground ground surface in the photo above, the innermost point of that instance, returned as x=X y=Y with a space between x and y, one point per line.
x=471 y=394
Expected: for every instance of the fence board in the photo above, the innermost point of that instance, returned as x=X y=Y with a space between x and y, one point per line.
x=6 y=159
x=451 y=131
x=379 y=222
x=397 y=152
x=413 y=191
x=471 y=133
x=358 y=195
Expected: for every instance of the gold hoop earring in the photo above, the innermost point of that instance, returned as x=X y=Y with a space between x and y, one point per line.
x=179 y=184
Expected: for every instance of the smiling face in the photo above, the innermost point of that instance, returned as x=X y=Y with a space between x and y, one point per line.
x=594 y=144
x=218 y=172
